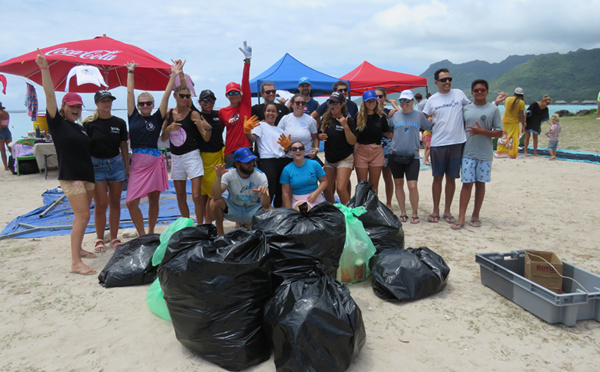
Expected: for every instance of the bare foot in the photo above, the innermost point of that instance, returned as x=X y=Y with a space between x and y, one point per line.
x=82 y=269
x=427 y=162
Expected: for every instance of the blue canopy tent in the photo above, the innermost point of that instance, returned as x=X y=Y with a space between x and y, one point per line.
x=285 y=74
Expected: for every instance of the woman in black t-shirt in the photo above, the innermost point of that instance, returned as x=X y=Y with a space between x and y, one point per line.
x=338 y=131
x=75 y=170
x=110 y=156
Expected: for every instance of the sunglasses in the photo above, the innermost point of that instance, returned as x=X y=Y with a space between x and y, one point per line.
x=380 y=96
x=404 y=100
x=294 y=149
x=146 y=103
x=300 y=103
x=480 y=90
x=234 y=93
x=445 y=80
x=343 y=90
x=208 y=100
x=273 y=91
x=181 y=95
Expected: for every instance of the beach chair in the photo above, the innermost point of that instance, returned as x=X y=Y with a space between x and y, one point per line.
x=26 y=155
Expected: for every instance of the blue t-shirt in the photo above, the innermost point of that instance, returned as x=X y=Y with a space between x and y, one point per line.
x=303 y=180
x=144 y=130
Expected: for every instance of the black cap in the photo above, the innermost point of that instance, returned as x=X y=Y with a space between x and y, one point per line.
x=337 y=97
x=207 y=93
x=103 y=94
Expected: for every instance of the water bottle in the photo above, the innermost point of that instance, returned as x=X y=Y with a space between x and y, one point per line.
x=37 y=131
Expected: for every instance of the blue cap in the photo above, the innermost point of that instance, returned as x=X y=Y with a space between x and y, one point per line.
x=368 y=95
x=304 y=80
x=243 y=155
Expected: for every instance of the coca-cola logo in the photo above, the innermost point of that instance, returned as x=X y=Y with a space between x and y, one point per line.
x=101 y=55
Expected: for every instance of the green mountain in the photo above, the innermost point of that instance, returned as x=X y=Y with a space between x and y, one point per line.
x=570 y=76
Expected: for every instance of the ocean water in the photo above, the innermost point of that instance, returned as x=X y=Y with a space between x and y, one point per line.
x=21 y=124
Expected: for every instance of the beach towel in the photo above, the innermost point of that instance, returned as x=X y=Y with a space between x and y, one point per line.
x=148 y=173
x=4 y=83
x=31 y=102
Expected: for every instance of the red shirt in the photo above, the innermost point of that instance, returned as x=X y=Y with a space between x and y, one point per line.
x=233 y=117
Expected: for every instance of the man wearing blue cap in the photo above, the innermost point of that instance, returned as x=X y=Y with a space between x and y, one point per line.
x=304 y=88
x=248 y=191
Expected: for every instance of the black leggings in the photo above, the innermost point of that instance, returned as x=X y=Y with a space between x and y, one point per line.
x=272 y=168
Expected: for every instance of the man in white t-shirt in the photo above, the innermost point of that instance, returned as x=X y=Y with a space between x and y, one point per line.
x=248 y=191
x=447 y=139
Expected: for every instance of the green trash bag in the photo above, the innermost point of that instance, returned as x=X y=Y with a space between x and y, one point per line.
x=154 y=297
x=358 y=248
x=156 y=302
x=177 y=225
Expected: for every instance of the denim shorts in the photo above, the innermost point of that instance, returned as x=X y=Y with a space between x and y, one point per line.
x=552 y=145
x=5 y=134
x=240 y=213
x=111 y=170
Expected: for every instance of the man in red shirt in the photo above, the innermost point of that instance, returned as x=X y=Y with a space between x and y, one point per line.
x=240 y=106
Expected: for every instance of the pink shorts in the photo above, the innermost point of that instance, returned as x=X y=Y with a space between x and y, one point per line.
x=304 y=198
x=72 y=188
x=366 y=156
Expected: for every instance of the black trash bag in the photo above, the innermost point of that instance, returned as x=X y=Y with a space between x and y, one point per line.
x=131 y=264
x=314 y=324
x=215 y=289
x=411 y=274
x=381 y=224
x=298 y=240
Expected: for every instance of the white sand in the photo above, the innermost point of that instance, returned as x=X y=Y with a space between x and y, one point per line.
x=55 y=321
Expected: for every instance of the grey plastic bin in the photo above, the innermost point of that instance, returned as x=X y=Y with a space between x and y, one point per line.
x=504 y=273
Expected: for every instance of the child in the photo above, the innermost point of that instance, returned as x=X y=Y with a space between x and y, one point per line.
x=552 y=134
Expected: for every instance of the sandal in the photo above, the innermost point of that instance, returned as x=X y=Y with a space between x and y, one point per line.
x=84 y=271
x=86 y=254
x=403 y=218
x=415 y=220
x=475 y=222
x=99 y=246
x=115 y=243
x=433 y=218
x=457 y=226
x=449 y=218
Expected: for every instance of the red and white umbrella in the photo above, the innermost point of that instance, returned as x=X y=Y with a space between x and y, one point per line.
x=108 y=55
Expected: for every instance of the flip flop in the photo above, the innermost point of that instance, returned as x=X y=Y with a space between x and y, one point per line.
x=415 y=220
x=403 y=218
x=475 y=223
x=457 y=226
x=433 y=219
x=450 y=218
x=99 y=246
x=88 y=271
x=87 y=254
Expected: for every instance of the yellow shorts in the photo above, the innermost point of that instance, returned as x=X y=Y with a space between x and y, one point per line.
x=209 y=159
x=72 y=188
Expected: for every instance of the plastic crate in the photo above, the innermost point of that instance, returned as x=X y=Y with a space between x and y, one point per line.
x=504 y=273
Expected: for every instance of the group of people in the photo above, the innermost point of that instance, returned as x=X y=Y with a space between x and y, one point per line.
x=269 y=157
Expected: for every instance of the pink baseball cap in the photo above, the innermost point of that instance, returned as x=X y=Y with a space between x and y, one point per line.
x=72 y=99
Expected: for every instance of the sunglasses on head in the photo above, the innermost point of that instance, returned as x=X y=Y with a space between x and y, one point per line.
x=404 y=100
x=234 y=93
x=480 y=90
x=299 y=148
x=146 y=103
x=342 y=90
x=445 y=80
x=300 y=103
x=181 y=95
x=208 y=100
x=272 y=91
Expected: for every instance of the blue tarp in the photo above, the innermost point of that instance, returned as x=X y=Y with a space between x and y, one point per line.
x=59 y=220
x=285 y=74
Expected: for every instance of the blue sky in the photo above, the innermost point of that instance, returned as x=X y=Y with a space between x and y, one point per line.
x=333 y=37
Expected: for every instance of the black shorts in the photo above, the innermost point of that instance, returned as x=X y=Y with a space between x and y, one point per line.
x=411 y=169
x=446 y=160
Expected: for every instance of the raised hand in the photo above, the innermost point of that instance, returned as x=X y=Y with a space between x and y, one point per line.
x=131 y=65
x=220 y=170
x=285 y=142
x=250 y=124
x=247 y=50
x=40 y=59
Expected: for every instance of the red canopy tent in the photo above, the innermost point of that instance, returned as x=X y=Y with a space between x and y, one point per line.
x=367 y=76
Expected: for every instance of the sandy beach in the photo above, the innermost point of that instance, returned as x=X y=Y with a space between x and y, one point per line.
x=56 y=321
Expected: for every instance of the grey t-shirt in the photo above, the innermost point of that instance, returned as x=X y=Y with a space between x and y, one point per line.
x=480 y=147
x=240 y=189
x=406 y=129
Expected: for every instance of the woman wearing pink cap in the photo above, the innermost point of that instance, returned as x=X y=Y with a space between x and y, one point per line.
x=75 y=169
